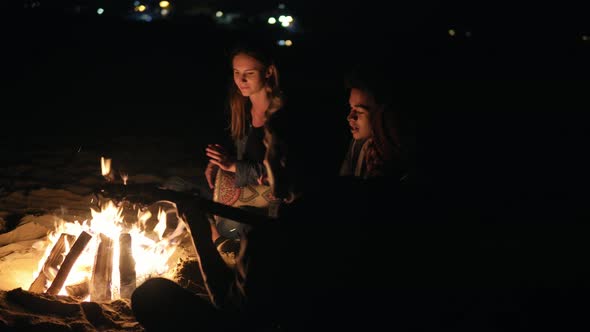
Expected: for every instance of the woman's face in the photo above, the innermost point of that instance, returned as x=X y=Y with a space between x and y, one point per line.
x=361 y=104
x=249 y=75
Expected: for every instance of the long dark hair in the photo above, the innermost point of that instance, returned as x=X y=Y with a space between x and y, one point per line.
x=383 y=156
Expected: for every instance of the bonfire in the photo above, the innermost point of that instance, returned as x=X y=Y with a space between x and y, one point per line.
x=107 y=257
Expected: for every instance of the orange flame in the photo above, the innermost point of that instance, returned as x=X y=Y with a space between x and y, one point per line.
x=151 y=249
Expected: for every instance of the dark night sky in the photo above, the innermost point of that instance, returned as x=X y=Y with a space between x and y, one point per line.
x=507 y=41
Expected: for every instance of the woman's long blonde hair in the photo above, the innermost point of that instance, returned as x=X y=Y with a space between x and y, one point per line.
x=239 y=105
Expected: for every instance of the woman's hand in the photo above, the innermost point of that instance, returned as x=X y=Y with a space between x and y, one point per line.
x=219 y=157
x=210 y=173
x=263 y=180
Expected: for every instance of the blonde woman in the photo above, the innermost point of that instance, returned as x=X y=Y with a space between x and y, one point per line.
x=253 y=95
x=255 y=90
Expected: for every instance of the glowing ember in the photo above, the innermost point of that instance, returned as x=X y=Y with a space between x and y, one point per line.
x=151 y=248
x=124 y=177
x=105 y=168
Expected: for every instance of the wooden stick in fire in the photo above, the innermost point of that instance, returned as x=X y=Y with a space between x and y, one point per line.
x=127 y=272
x=100 y=284
x=52 y=262
x=69 y=261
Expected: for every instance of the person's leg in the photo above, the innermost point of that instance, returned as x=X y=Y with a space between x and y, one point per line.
x=162 y=305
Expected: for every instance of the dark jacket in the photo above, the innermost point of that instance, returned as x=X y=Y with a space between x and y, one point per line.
x=247 y=171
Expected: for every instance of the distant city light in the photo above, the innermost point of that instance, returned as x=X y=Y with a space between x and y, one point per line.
x=281 y=6
x=219 y=13
x=282 y=42
x=272 y=20
x=585 y=37
x=99 y=11
x=452 y=32
x=468 y=34
x=165 y=12
x=141 y=8
x=164 y=4
x=136 y=3
x=285 y=20
x=146 y=17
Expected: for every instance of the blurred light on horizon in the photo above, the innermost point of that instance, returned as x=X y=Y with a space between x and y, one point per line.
x=281 y=6
x=165 y=12
x=272 y=20
x=285 y=20
x=141 y=8
x=282 y=42
x=219 y=13
x=136 y=3
x=452 y=32
x=99 y=11
x=164 y=4
x=585 y=37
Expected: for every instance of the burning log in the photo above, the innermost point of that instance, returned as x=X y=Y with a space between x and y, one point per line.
x=126 y=266
x=52 y=262
x=100 y=289
x=147 y=194
x=69 y=261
